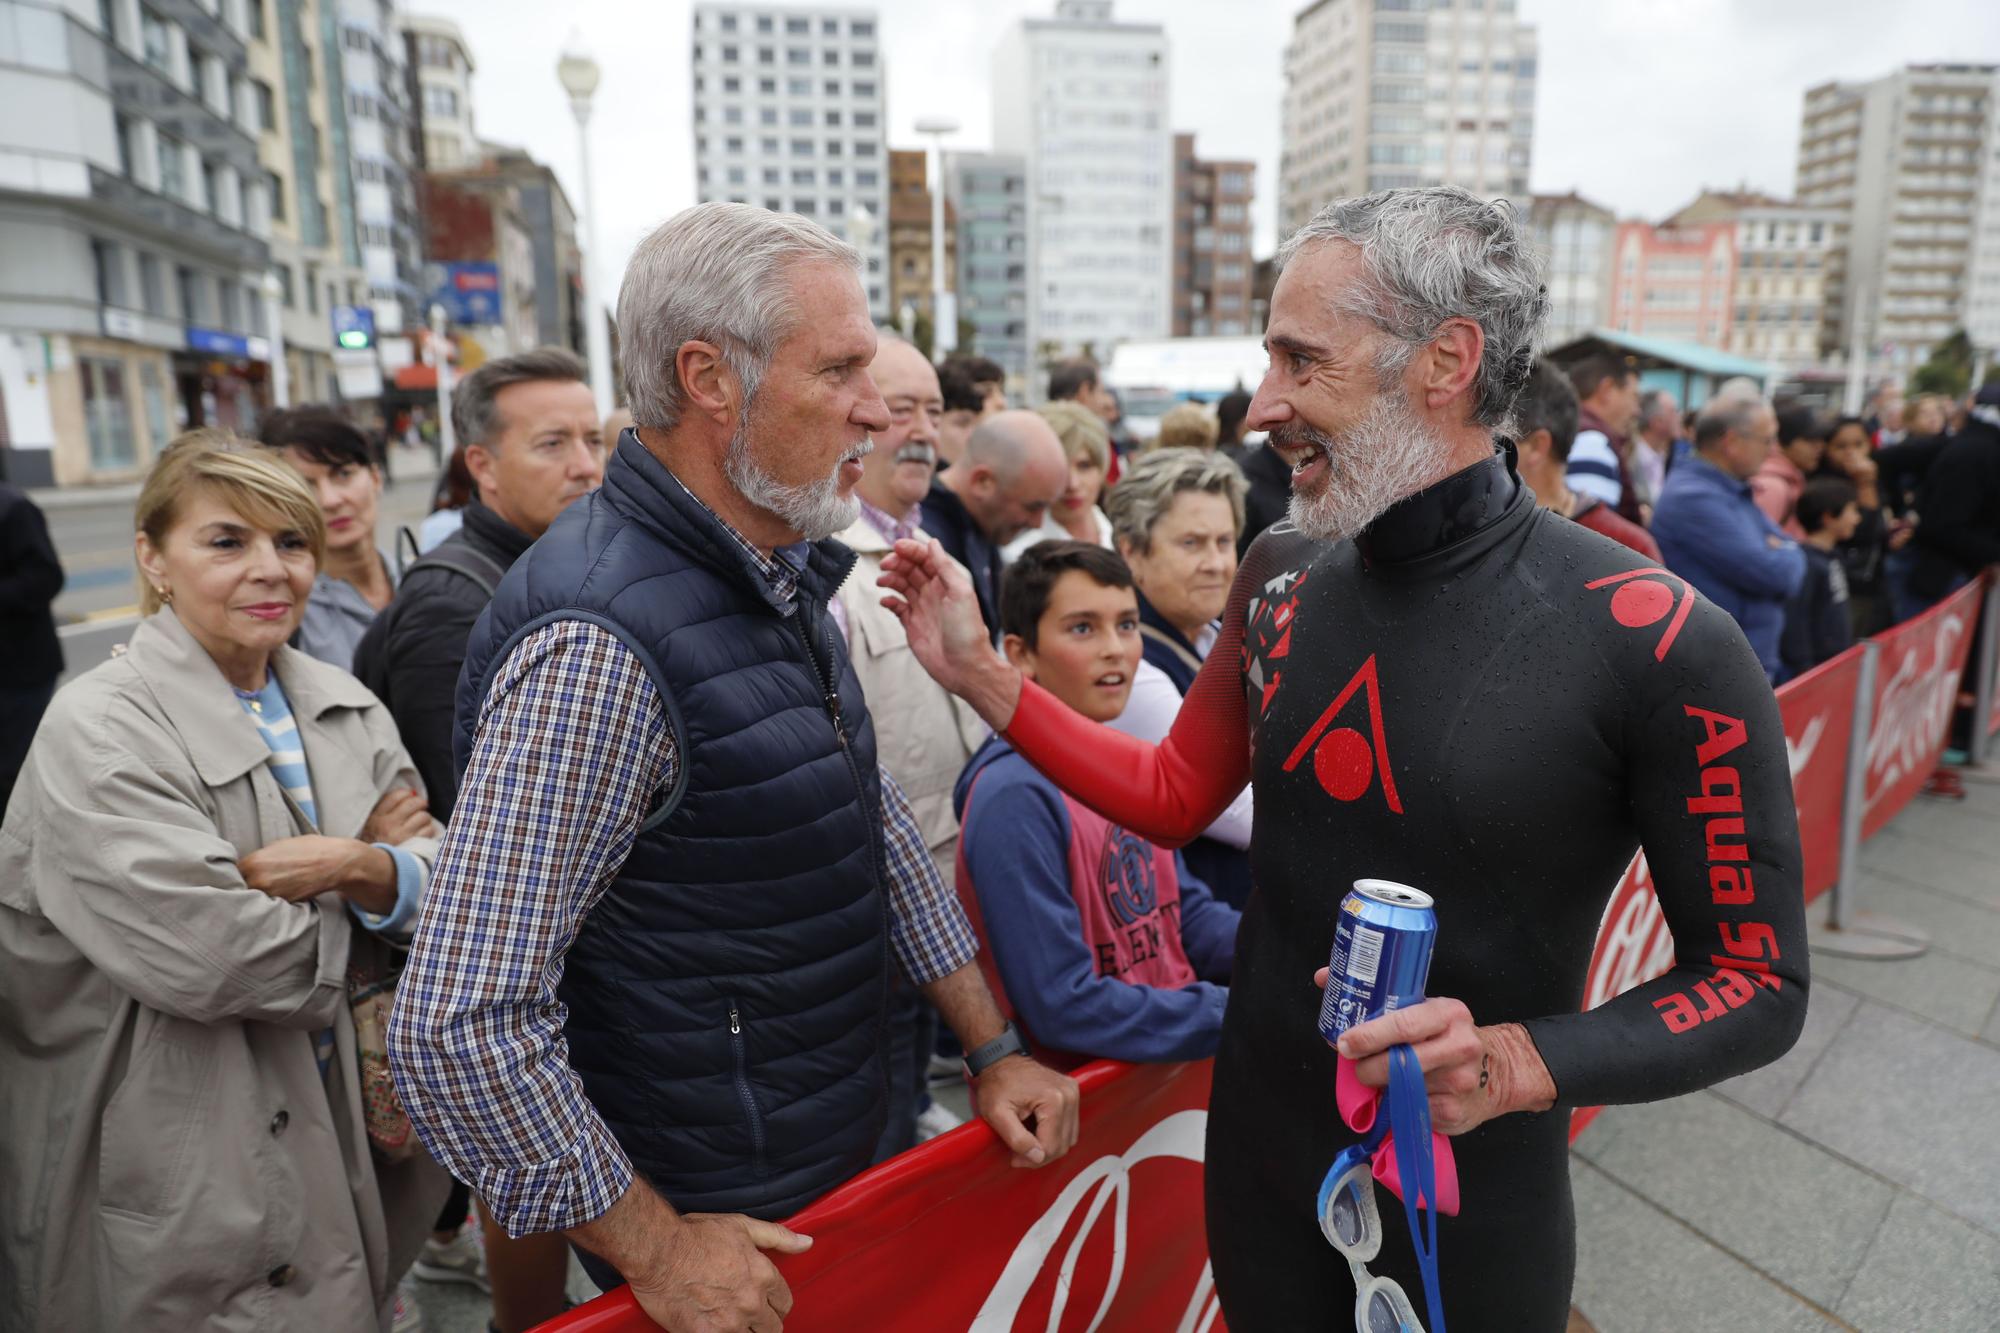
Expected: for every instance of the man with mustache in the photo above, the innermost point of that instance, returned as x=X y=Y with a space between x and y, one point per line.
x=1420 y=670
x=922 y=734
x=646 y=1004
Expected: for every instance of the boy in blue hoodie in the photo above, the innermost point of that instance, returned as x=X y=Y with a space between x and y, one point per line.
x=1097 y=942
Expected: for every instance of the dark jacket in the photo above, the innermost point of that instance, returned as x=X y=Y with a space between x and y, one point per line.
x=1818 y=625
x=1958 y=525
x=1270 y=496
x=947 y=519
x=30 y=578
x=726 y=994
x=411 y=656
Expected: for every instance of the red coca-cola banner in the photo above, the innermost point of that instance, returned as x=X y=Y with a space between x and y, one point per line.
x=1634 y=944
x=1916 y=689
x=1993 y=656
x=950 y=1236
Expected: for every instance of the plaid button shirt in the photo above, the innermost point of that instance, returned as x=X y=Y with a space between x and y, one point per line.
x=572 y=743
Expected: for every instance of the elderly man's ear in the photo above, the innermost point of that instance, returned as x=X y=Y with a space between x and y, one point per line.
x=709 y=385
x=1453 y=361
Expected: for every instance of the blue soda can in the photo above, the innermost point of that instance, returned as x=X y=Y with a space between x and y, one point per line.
x=1382 y=944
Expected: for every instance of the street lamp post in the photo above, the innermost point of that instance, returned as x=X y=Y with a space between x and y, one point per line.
x=281 y=374
x=441 y=358
x=579 y=75
x=944 y=307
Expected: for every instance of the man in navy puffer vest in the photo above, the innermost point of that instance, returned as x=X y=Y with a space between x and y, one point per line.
x=646 y=1003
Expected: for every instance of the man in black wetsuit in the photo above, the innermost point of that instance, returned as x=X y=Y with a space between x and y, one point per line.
x=1421 y=669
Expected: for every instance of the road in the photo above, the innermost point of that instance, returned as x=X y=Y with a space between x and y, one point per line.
x=93 y=538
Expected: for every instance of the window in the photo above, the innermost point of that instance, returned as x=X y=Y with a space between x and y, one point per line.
x=863 y=60
x=799 y=87
x=107 y=414
x=767 y=86
x=122 y=126
x=765 y=55
x=729 y=23
x=798 y=25
x=109 y=263
x=829 y=57
x=833 y=178
x=864 y=120
x=312 y=290
x=862 y=28
x=152 y=286
x=152 y=387
x=736 y=175
x=232 y=314
x=442 y=102
x=732 y=84
x=267 y=104
x=798 y=55
x=773 y=176
x=173 y=177
x=732 y=145
x=803 y=176
x=832 y=119
x=802 y=148
x=831 y=87
x=211 y=197
x=768 y=147
x=801 y=115
x=865 y=88
x=804 y=207
x=829 y=27
x=731 y=54
x=767 y=115
x=763 y=23
x=866 y=180
x=732 y=115
x=865 y=148
x=833 y=148
x=286 y=292
x=153 y=40
x=254 y=9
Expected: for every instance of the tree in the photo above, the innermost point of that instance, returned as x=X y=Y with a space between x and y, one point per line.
x=923 y=333
x=1949 y=369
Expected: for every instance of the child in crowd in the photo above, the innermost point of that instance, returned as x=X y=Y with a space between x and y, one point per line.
x=1776 y=486
x=1097 y=942
x=1817 y=625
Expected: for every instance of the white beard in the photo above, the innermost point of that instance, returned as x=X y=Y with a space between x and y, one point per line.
x=1388 y=455
x=815 y=510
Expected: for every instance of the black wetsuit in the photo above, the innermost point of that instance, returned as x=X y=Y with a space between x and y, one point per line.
x=1505 y=736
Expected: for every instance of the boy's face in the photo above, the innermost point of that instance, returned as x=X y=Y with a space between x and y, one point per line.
x=1843 y=524
x=1087 y=646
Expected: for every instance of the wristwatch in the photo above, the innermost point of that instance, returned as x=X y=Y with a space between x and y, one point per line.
x=993 y=1052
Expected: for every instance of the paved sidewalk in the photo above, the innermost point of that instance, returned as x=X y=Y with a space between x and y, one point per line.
x=1855 y=1184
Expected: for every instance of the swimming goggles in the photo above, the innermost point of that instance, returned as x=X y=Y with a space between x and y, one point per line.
x=1351 y=1222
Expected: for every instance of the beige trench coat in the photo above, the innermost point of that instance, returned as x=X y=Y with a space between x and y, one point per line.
x=171 y=1158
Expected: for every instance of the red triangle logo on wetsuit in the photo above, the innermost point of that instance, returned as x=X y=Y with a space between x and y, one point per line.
x=1345 y=761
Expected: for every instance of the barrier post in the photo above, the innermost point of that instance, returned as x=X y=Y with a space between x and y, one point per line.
x=1989 y=662
x=1849 y=931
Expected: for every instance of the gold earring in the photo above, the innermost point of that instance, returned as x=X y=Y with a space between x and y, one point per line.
x=166 y=596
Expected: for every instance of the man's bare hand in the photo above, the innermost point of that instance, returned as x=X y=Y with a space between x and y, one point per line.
x=296 y=869
x=400 y=815
x=1031 y=1107
x=713 y=1277
x=932 y=595
x=1473 y=1073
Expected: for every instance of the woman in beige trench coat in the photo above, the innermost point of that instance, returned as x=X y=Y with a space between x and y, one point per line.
x=175 y=940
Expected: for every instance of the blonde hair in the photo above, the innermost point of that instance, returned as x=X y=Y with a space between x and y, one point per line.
x=1081 y=430
x=1188 y=426
x=257 y=484
x=1151 y=483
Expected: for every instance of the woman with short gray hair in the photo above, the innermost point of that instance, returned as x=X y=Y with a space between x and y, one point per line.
x=1175 y=515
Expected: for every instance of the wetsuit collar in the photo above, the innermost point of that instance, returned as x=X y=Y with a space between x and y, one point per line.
x=1463 y=504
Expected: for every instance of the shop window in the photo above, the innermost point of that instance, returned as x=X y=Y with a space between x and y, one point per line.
x=107 y=413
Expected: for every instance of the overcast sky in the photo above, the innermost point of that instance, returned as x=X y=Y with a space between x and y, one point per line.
x=1640 y=102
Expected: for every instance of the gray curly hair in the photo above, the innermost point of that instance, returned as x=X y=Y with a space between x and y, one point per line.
x=1440 y=253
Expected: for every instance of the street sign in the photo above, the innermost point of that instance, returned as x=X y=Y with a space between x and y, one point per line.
x=469 y=292
x=354 y=327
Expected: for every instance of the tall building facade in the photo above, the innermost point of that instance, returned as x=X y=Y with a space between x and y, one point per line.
x=790 y=113
x=1381 y=94
x=373 y=134
x=910 y=284
x=1082 y=99
x=989 y=199
x=1674 y=282
x=315 y=260
x=1212 y=265
x=439 y=65
x=1575 y=238
x=1910 y=164
x=1782 y=252
x=135 y=220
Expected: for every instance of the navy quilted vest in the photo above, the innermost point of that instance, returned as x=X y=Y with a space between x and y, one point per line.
x=726 y=995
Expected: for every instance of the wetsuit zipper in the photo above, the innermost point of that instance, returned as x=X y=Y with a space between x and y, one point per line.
x=743 y=1093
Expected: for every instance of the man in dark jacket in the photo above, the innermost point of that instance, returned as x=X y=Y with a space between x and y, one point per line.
x=30 y=578
x=532 y=444
x=1959 y=532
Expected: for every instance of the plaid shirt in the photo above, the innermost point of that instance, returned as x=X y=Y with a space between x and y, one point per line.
x=572 y=743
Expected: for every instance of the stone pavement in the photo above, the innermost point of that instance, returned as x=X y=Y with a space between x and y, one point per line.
x=1856 y=1182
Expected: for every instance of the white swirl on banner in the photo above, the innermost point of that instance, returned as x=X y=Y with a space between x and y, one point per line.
x=1106 y=1180
x=1915 y=709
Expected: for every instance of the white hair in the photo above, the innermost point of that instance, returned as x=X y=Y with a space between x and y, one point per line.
x=1435 y=254
x=713 y=273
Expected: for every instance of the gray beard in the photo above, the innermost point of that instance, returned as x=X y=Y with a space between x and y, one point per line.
x=815 y=510
x=1388 y=455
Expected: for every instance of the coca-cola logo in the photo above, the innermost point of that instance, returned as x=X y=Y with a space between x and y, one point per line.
x=1106 y=1181
x=1634 y=943
x=1913 y=708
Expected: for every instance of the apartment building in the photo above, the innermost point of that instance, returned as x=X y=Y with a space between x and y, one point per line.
x=1212 y=265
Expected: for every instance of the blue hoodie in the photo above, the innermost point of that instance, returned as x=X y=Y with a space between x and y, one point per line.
x=1100 y=943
